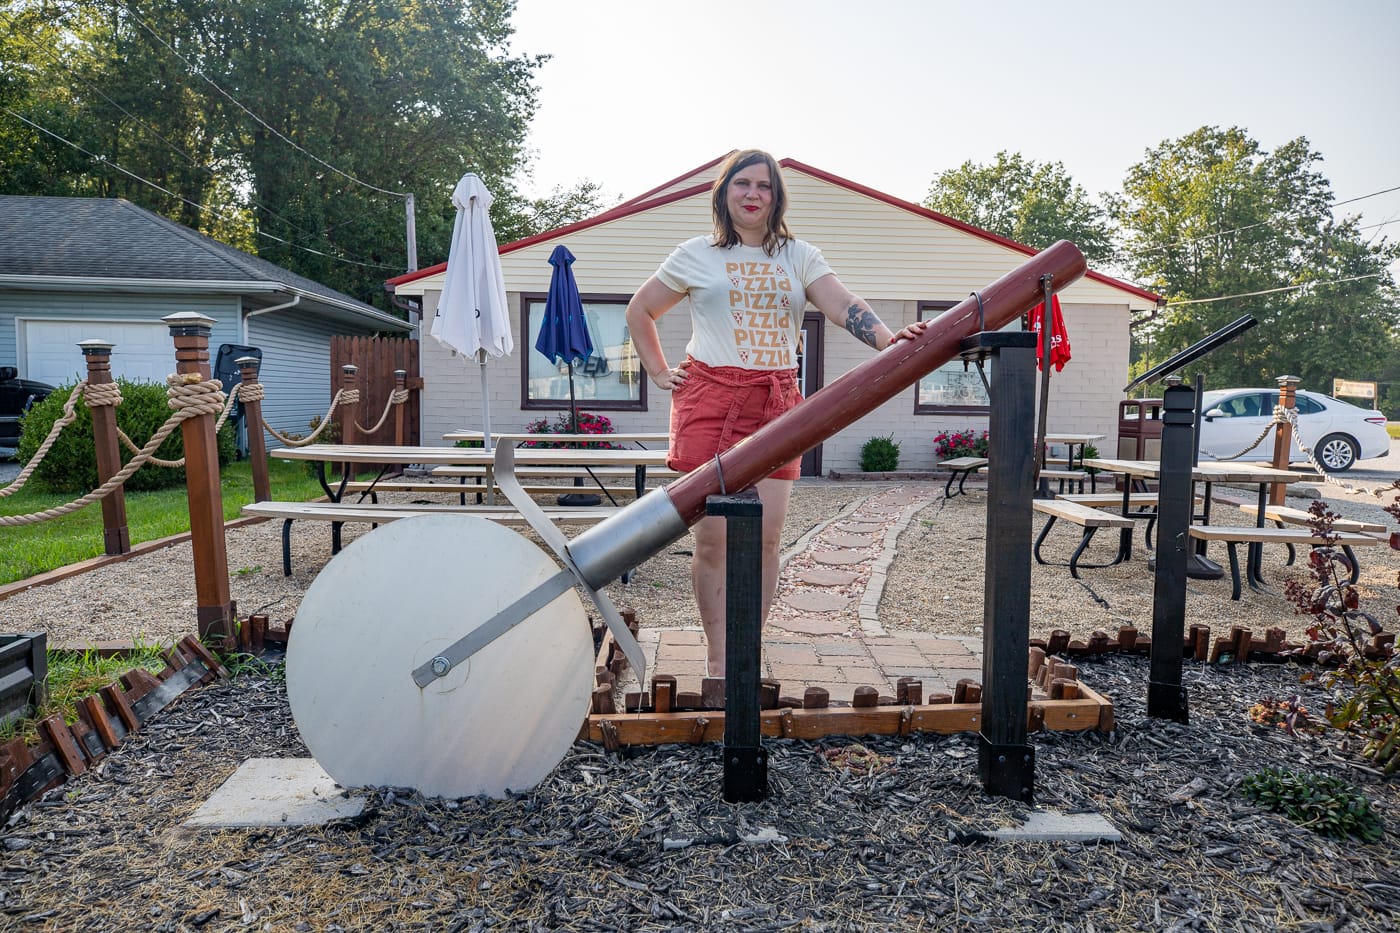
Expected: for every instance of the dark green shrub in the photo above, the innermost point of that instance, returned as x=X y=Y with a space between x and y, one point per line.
x=880 y=455
x=71 y=464
x=1326 y=805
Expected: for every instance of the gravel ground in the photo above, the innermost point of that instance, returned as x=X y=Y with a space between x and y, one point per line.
x=935 y=584
x=846 y=840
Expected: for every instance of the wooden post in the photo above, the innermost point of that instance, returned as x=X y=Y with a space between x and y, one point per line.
x=214 y=607
x=116 y=538
x=1283 y=437
x=400 y=380
x=248 y=367
x=349 y=411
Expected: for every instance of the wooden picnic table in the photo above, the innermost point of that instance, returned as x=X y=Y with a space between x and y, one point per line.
x=1245 y=474
x=518 y=437
x=389 y=455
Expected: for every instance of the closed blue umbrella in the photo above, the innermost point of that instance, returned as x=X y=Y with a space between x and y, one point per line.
x=564 y=332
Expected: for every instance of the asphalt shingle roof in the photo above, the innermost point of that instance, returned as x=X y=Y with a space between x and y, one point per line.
x=113 y=238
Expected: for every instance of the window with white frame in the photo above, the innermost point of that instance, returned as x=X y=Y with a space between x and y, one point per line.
x=955 y=387
x=611 y=379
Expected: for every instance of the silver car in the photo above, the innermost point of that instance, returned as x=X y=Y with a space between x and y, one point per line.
x=1338 y=432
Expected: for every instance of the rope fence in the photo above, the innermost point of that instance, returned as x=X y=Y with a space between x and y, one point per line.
x=1289 y=416
x=189 y=396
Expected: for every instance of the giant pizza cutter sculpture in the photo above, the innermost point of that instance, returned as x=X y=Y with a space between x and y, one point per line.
x=451 y=655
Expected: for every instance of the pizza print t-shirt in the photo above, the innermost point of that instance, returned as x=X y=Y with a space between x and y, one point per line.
x=745 y=306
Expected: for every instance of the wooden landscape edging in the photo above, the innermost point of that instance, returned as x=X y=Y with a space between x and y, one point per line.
x=1239 y=645
x=104 y=720
x=652 y=717
x=1089 y=712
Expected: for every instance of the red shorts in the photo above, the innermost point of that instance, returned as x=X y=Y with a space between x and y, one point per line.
x=719 y=406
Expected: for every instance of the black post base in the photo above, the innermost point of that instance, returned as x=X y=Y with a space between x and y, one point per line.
x=1200 y=567
x=745 y=774
x=1167 y=701
x=1006 y=770
x=579 y=499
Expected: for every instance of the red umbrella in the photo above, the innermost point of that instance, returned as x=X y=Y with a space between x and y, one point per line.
x=1059 y=337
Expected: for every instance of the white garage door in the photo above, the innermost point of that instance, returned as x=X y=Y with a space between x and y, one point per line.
x=141 y=352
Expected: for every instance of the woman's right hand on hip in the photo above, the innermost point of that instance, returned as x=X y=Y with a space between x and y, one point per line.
x=672 y=377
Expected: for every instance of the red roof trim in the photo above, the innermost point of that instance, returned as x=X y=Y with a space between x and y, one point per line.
x=958 y=224
x=641 y=203
x=642 y=197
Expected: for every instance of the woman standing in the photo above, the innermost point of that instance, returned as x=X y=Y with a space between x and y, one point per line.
x=748 y=283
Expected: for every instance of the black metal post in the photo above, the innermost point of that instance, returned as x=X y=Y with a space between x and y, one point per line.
x=1166 y=698
x=745 y=762
x=1198 y=565
x=1046 y=336
x=1006 y=761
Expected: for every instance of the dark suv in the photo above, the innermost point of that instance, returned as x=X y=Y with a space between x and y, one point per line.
x=16 y=395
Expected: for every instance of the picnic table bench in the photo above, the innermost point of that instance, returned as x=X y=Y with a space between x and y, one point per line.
x=462 y=488
x=1086 y=517
x=1233 y=535
x=960 y=468
x=338 y=513
x=1284 y=514
x=1067 y=476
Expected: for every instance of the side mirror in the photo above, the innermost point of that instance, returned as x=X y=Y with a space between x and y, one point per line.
x=7 y=373
x=1215 y=413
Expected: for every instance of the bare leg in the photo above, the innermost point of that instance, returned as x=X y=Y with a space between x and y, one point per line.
x=707 y=567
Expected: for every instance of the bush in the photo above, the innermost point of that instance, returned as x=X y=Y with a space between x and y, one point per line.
x=966 y=443
x=880 y=455
x=564 y=424
x=1365 y=683
x=1326 y=805
x=71 y=464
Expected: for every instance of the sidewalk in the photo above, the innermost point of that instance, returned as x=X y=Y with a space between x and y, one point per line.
x=823 y=630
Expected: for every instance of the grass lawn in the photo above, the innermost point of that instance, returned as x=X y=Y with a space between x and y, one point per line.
x=26 y=550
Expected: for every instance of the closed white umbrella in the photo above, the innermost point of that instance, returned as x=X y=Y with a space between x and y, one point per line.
x=472 y=317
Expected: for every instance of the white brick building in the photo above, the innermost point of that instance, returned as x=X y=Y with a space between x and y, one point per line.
x=903 y=259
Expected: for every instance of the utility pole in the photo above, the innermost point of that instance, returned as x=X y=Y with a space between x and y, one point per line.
x=412 y=233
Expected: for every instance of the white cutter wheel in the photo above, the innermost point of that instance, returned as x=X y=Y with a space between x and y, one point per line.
x=394 y=600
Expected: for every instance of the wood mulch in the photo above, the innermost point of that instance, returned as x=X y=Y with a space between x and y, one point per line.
x=879 y=835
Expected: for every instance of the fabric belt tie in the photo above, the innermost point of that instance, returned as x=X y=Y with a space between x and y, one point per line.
x=777 y=383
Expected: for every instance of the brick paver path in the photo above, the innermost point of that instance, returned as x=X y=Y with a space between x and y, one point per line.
x=822 y=630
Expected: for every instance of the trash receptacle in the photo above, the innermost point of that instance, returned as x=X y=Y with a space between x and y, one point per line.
x=1140 y=429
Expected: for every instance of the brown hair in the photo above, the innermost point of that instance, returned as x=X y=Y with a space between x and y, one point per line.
x=725 y=234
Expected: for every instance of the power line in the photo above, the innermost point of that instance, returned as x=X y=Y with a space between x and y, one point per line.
x=145 y=181
x=189 y=158
x=260 y=120
x=1262 y=223
x=1272 y=291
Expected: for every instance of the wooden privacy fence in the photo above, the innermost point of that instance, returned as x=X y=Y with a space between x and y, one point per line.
x=381 y=366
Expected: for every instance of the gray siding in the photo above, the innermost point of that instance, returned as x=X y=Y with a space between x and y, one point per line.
x=52 y=305
x=296 y=366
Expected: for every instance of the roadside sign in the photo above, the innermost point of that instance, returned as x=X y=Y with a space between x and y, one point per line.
x=1346 y=387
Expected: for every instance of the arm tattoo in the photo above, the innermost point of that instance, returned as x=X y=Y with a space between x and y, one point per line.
x=862 y=323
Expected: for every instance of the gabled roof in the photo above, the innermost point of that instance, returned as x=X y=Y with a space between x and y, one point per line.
x=652 y=199
x=112 y=241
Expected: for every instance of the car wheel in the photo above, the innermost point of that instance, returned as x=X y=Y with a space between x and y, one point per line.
x=1337 y=453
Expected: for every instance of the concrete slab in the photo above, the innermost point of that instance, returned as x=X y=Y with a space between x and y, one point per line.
x=276 y=792
x=1053 y=826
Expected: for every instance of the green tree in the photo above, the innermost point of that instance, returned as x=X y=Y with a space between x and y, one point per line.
x=1032 y=203
x=289 y=128
x=1213 y=215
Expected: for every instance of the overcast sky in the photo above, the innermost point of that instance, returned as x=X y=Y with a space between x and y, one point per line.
x=889 y=93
